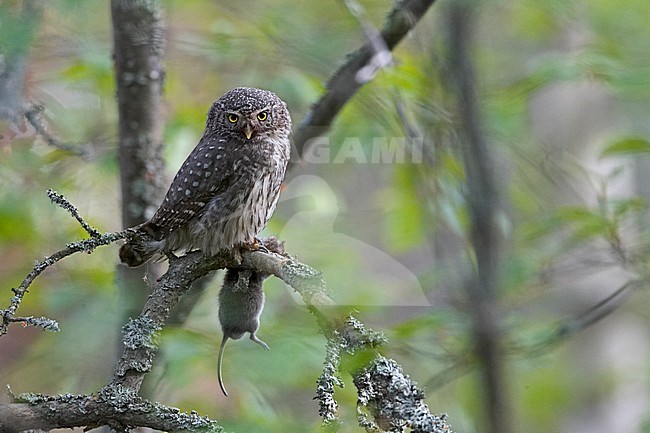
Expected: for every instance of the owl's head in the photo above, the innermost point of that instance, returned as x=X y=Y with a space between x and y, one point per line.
x=251 y=114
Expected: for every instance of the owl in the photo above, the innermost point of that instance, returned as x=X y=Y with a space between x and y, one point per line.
x=227 y=189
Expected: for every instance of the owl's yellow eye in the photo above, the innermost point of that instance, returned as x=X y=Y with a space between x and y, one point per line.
x=262 y=115
x=233 y=118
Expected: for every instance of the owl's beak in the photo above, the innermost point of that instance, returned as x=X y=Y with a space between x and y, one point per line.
x=248 y=131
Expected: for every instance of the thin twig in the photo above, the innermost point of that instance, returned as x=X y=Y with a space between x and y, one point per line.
x=32 y=113
x=414 y=134
x=382 y=56
x=344 y=83
x=554 y=337
x=37 y=322
x=573 y=325
x=87 y=245
x=60 y=200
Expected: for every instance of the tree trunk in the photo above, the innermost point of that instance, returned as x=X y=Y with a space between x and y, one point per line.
x=139 y=47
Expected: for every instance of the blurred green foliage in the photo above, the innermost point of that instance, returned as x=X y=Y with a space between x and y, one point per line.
x=571 y=209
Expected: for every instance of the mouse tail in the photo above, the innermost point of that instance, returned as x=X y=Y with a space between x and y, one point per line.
x=219 y=362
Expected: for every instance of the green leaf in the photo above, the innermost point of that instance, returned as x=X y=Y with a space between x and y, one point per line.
x=585 y=223
x=404 y=216
x=576 y=214
x=622 y=207
x=626 y=146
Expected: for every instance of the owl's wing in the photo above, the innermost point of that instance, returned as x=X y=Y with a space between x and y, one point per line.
x=205 y=174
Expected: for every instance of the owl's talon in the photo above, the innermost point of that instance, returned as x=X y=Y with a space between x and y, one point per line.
x=259 y=243
x=256 y=245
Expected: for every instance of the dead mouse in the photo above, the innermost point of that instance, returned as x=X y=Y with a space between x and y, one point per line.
x=241 y=301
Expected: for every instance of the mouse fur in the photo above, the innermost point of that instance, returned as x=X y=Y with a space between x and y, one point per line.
x=241 y=301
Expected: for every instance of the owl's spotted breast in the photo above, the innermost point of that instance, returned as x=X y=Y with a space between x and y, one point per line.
x=227 y=189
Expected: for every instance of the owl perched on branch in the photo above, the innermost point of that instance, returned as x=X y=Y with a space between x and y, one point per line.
x=227 y=189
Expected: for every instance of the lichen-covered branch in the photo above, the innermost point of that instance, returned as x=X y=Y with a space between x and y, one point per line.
x=87 y=245
x=344 y=333
x=393 y=400
x=8 y=315
x=61 y=201
x=387 y=399
x=119 y=408
x=139 y=350
x=118 y=404
x=328 y=380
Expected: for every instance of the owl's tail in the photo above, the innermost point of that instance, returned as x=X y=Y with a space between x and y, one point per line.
x=140 y=249
x=136 y=253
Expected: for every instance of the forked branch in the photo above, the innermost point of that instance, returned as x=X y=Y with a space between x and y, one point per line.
x=118 y=405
